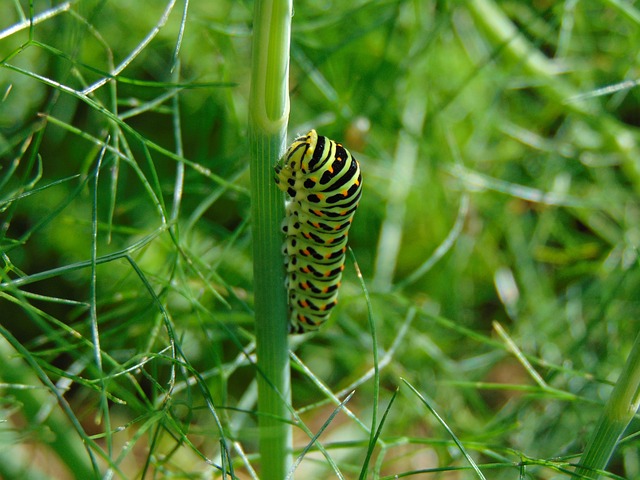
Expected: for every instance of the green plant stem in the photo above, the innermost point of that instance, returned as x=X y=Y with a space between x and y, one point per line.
x=615 y=418
x=268 y=116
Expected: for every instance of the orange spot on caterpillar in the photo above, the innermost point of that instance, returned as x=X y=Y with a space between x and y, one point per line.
x=328 y=306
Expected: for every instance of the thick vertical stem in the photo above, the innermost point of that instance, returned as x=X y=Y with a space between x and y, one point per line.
x=268 y=116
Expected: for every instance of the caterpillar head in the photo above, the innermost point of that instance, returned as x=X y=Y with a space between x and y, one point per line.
x=300 y=156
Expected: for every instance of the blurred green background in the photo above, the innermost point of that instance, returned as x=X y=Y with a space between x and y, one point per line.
x=498 y=144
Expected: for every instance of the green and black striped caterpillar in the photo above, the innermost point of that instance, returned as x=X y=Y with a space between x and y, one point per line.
x=324 y=184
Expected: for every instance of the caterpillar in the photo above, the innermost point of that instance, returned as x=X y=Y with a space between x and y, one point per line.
x=324 y=184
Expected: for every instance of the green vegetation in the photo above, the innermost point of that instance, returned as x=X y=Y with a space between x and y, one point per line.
x=497 y=241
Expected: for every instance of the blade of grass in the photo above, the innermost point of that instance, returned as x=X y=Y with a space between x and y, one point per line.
x=317 y=435
x=376 y=436
x=93 y=310
x=376 y=367
x=616 y=416
x=449 y=431
x=35 y=19
x=136 y=51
